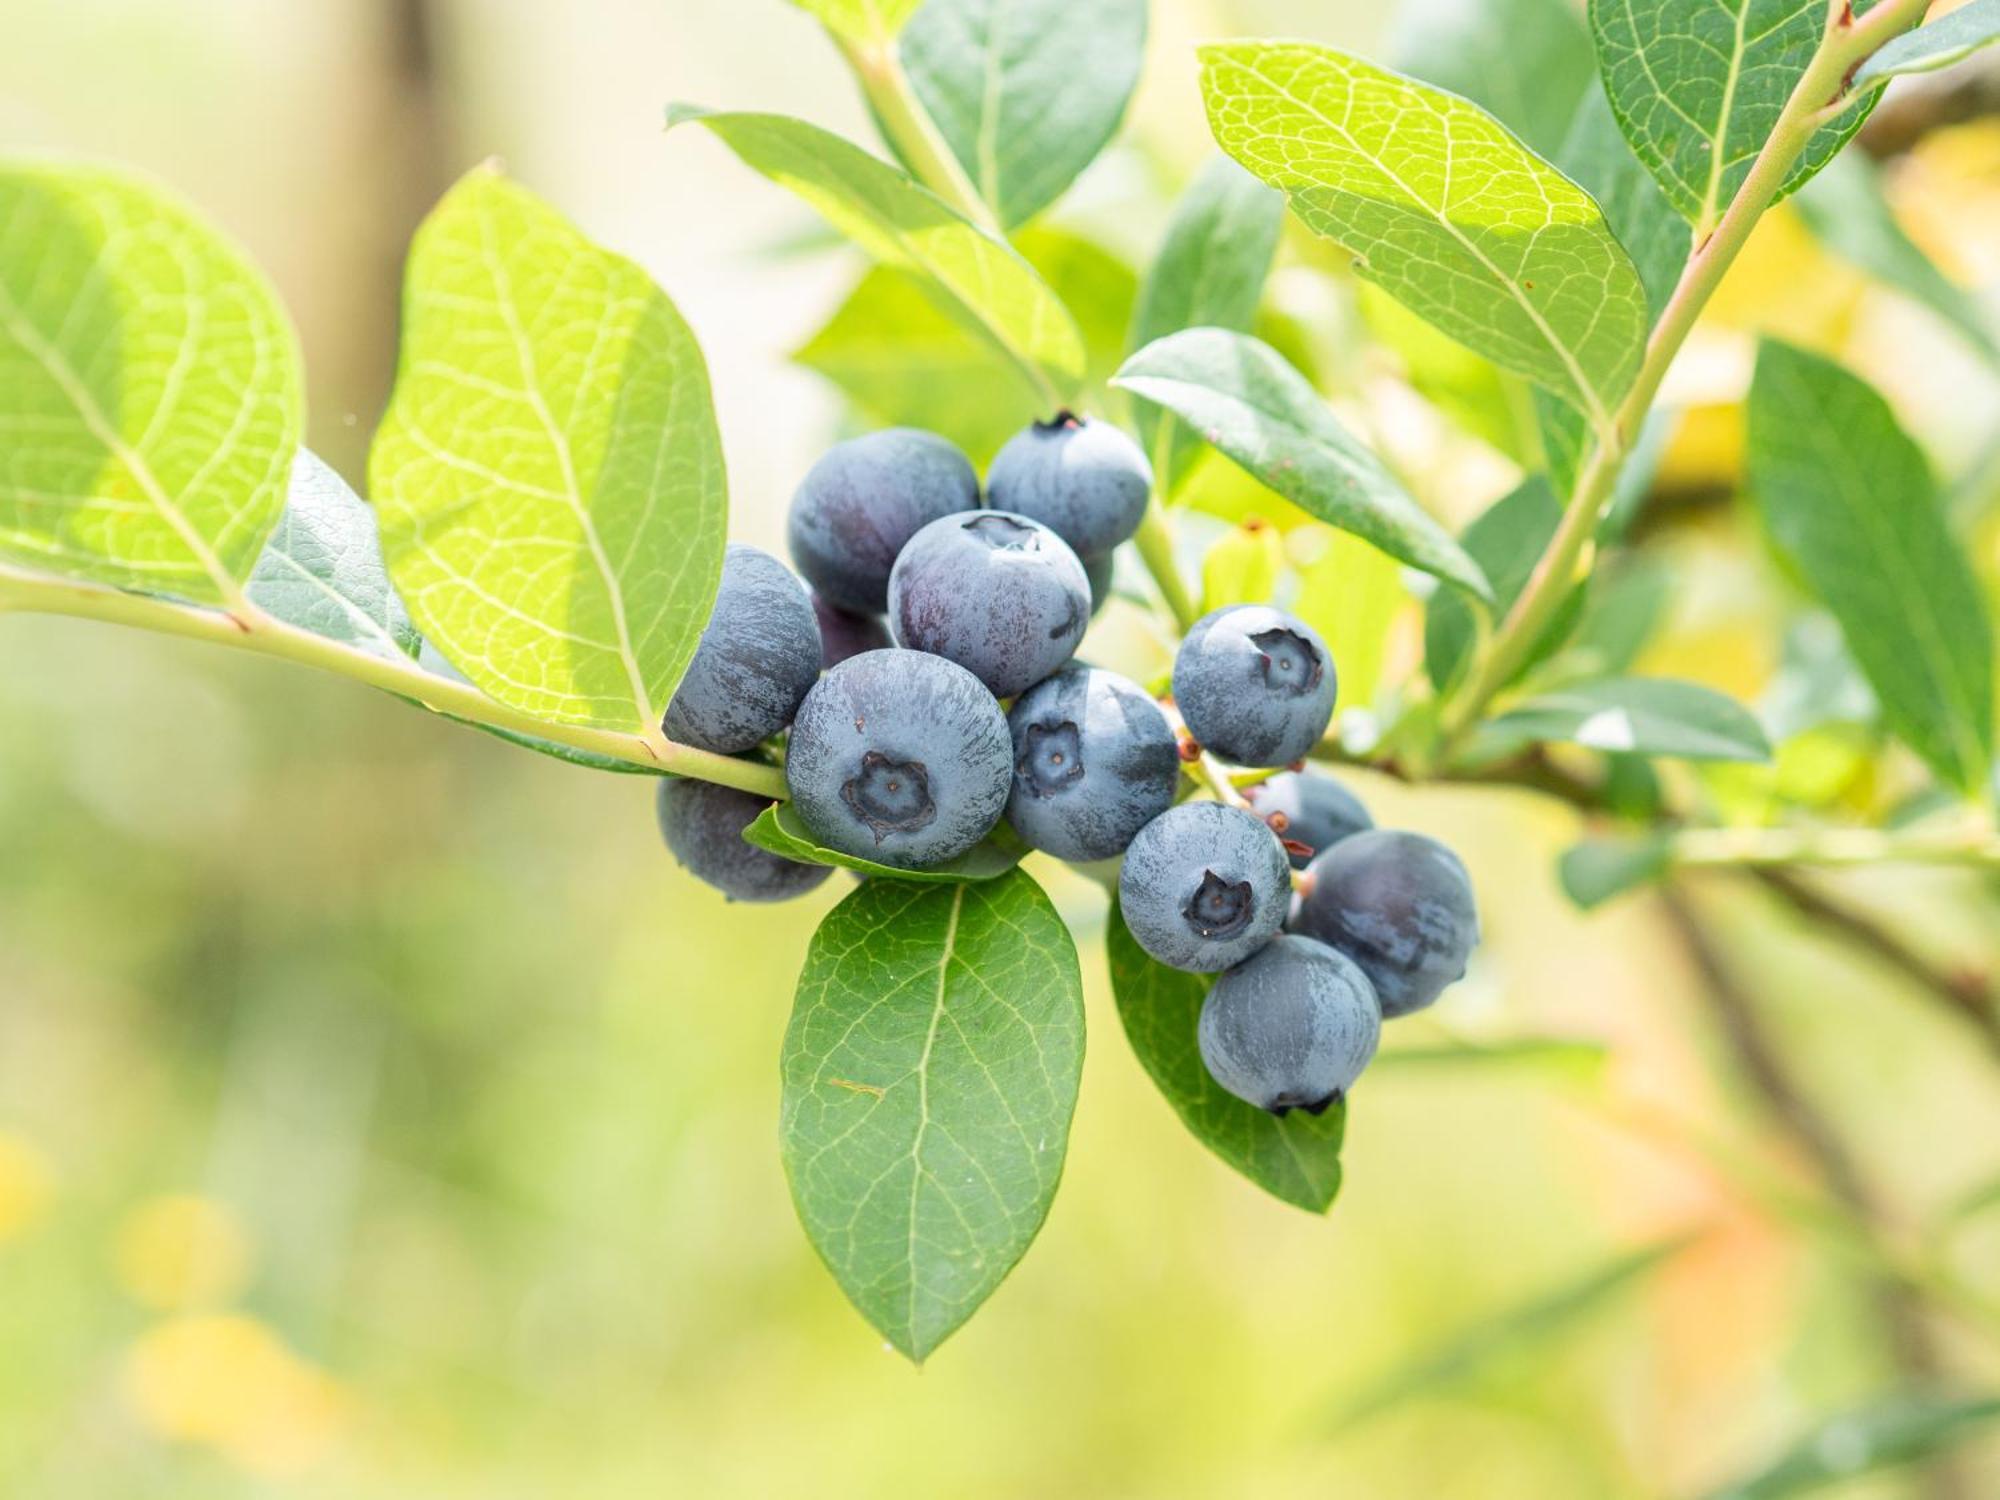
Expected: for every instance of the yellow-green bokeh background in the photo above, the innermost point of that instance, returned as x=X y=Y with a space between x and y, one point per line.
x=382 y=1115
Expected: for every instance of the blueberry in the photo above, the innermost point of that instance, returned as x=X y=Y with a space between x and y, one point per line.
x=1094 y=762
x=1255 y=685
x=703 y=825
x=843 y=635
x=899 y=757
x=759 y=653
x=1400 y=905
x=1291 y=1027
x=1001 y=595
x=1204 y=886
x=1083 y=479
x=1308 y=808
x=1101 y=572
x=867 y=497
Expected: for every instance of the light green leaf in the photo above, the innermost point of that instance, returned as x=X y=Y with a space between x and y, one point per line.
x=1851 y=504
x=1296 y=1158
x=1597 y=156
x=1242 y=565
x=1243 y=398
x=983 y=281
x=1444 y=208
x=930 y=1072
x=1563 y=1057
x=1639 y=715
x=322 y=569
x=150 y=389
x=1529 y=1325
x=1472 y=392
x=1209 y=273
x=1698 y=89
x=1949 y=39
x=1351 y=593
x=549 y=474
x=1506 y=541
x=862 y=20
x=1845 y=209
x=1598 y=869
x=432 y=661
x=1899 y=1428
x=1025 y=92
x=779 y=830
x=1527 y=62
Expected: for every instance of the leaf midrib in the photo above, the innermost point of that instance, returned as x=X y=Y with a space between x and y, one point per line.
x=924 y=1102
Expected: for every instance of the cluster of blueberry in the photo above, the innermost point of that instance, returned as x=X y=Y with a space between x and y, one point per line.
x=900 y=750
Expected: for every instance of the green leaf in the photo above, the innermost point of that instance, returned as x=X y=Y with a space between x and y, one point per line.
x=1598 y=869
x=1242 y=566
x=1622 y=609
x=1351 y=593
x=1899 y=1428
x=1639 y=715
x=1851 y=504
x=1506 y=541
x=862 y=20
x=1597 y=156
x=1950 y=38
x=1025 y=92
x=930 y=1072
x=1562 y=1056
x=1471 y=392
x=150 y=390
x=1527 y=1325
x=982 y=281
x=1845 y=209
x=1699 y=88
x=1527 y=62
x=322 y=569
x=1209 y=273
x=432 y=661
x=779 y=830
x=549 y=474
x=1242 y=397
x=1296 y=1158
x=1444 y=208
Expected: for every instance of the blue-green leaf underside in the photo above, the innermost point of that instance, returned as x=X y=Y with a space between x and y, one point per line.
x=1240 y=394
x=1949 y=39
x=1025 y=92
x=930 y=1072
x=151 y=396
x=1850 y=502
x=779 y=830
x=1296 y=1158
x=1596 y=870
x=322 y=569
x=1444 y=208
x=549 y=474
x=1637 y=715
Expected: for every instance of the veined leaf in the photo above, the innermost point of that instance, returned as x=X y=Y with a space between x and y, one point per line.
x=982 y=280
x=150 y=390
x=1209 y=273
x=1025 y=92
x=322 y=569
x=1845 y=209
x=779 y=830
x=1527 y=62
x=1241 y=395
x=1900 y=1428
x=1597 y=156
x=1296 y=1158
x=549 y=474
x=930 y=1072
x=1640 y=715
x=1850 y=501
x=1950 y=38
x=1445 y=209
x=1698 y=89
x=862 y=20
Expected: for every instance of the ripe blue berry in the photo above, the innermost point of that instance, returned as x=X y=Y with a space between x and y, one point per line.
x=703 y=825
x=899 y=757
x=1255 y=685
x=1094 y=762
x=1001 y=595
x=1400 y=905
x=1083 y=479
x=842 y=635
x=1291 y=1027
x=1308 y=808
x=1204 y=886
x=759 y=653
x=863 y=501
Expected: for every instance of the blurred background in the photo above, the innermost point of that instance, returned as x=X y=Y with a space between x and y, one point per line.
x=382 y=1114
